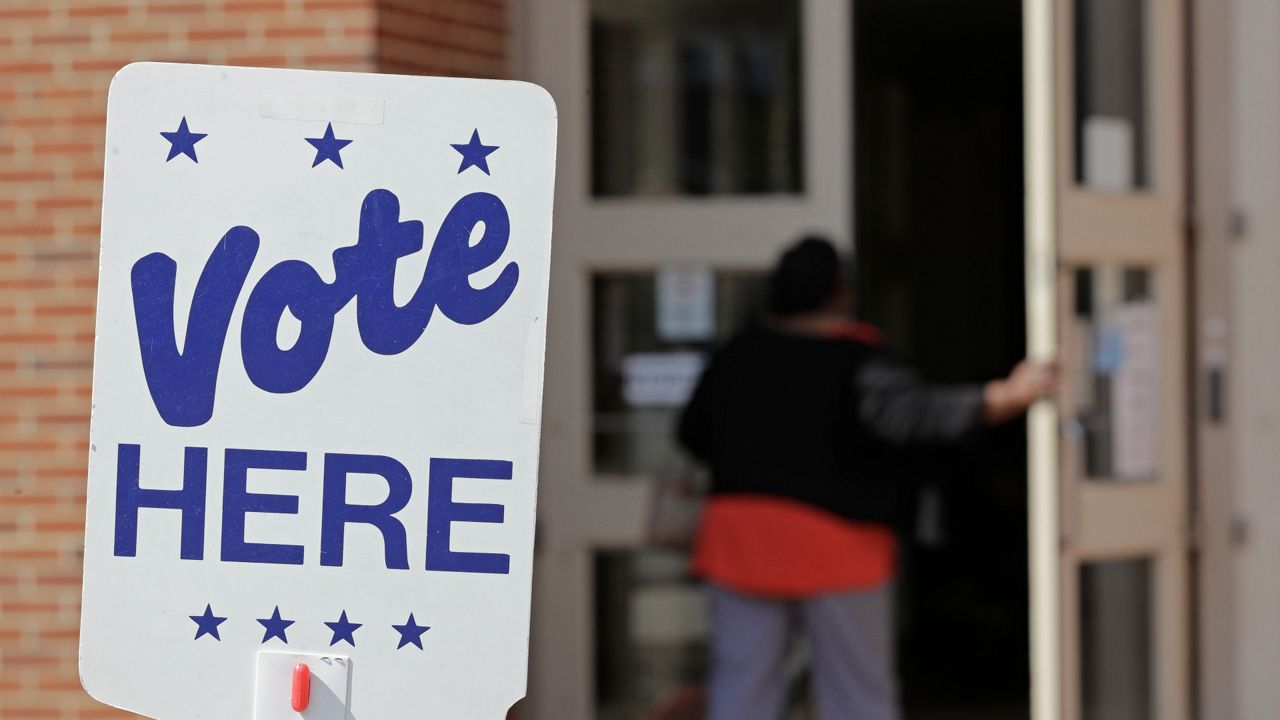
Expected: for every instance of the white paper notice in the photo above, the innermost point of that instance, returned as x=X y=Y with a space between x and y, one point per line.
x=1135 y=392
x=660 y=379
x=686 y=298
x=1108 y=154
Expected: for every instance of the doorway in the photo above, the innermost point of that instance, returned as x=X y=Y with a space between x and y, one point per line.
x=939 y=228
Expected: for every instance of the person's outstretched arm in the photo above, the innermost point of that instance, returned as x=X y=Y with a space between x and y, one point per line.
x=898 y=407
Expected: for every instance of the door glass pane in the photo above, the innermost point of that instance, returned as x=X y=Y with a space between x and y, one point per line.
x=651 y=634
x=695 y=97
x=1115 y=640
x=1112 y=123
x=651 y=335
x=1116 y=342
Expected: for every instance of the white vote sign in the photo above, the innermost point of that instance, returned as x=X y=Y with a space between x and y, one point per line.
x=317 y=394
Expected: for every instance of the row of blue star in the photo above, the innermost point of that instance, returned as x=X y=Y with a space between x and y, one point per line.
x=343 y=629
x=328 y=147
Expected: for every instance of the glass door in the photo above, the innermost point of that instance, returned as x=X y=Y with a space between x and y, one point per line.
x=697 y=139
x=1107 y=284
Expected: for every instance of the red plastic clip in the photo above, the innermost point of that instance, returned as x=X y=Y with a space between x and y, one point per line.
x=301 y=687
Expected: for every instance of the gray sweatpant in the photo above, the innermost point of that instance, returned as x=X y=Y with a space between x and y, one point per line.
x=850 y=637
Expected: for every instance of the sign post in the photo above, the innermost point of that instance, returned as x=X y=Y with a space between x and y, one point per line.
x=317 y=394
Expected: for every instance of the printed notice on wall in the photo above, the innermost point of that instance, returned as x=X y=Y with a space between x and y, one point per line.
x=1135 y=394
x=686 y=304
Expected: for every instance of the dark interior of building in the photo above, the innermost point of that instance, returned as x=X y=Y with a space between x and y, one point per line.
x=940 y=268
x=938 y=228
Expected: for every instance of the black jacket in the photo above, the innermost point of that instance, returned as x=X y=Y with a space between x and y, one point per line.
x=821 y=421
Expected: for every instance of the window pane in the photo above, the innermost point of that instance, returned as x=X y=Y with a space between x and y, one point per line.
x=1112 y=123
x=1117 y=408
x=651 y=634
x=695 y=97
x=1115 y=640
x=651 y=334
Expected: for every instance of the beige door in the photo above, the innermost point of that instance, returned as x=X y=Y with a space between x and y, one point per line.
x=1107 y=284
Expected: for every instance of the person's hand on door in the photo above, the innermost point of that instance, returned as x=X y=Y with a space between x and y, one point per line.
x=1030 y=381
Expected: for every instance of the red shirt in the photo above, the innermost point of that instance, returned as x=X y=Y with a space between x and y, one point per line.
x=777 y=547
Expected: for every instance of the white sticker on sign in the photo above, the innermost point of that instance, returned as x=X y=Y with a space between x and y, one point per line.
x=315 y=426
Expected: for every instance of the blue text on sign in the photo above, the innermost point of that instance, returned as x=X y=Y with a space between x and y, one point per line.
x=183 y=384
x=336 y=514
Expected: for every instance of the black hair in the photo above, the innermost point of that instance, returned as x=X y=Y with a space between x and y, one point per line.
x=806 y=277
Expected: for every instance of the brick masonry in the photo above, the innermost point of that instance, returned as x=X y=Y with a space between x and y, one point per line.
x=56 y=60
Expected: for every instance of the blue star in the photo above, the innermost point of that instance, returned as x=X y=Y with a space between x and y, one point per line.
x=328 y=147
x=343 y=630
x=207 y=624
x=275 y=626
x=182 y=141
x=410 y=632
x=474 y=153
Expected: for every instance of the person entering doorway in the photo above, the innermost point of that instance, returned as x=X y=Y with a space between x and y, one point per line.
x=800 y=420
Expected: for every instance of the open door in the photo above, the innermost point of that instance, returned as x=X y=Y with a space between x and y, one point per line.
x=1107 y=293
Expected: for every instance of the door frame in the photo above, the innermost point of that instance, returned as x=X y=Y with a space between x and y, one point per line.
x=1041 y=181
x=1216 y=529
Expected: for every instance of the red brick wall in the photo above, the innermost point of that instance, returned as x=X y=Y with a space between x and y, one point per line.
x=446 y=37
x=56 y=60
